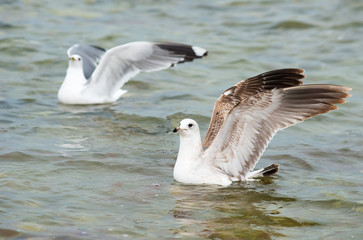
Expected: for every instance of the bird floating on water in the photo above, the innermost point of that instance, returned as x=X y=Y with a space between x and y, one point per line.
x=244 y=120
x=95 y=76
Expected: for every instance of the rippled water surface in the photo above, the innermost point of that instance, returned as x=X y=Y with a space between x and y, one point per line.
x=105 y=171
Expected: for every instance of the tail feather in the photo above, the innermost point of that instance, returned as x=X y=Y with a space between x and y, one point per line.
x=270 y=170
x=264 y=172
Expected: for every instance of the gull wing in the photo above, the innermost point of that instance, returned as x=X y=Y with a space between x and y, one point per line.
x=251 y=124
x=121 y=63
x=233 y=96
x=91 y=56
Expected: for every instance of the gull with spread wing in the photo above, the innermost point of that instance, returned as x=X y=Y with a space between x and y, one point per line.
x=244 y=120
x=95 y=76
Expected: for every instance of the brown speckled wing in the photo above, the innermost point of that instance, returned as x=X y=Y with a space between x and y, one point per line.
x=250 y=125
x=233 y=96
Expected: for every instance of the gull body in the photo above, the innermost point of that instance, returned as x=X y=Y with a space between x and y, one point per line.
x=244 y=120
x=95 y=76
x=190 y=167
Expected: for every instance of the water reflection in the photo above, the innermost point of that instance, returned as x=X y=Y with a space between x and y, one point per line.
x=84 y=108
x=237 y=212
x=72 y=144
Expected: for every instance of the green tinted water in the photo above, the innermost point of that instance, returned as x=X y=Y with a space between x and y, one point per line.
x=105 y=172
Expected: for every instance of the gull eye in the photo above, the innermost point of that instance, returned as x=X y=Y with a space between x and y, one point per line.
x=79 y=59
x=190 y=125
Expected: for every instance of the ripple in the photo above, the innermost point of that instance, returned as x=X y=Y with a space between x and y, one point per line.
x=236 y=210
x=355 y=24
x=293 y=25
x=294 y=160
x=180 y=97
x=333 y=206
x=4 y=25
x=16 y=156
x=21 y=50
x=9 y=233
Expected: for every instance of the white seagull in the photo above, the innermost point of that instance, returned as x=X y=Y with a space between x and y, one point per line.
x=95 y=76
x=245 y=118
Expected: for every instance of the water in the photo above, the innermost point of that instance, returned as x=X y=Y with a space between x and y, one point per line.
x=105 y=172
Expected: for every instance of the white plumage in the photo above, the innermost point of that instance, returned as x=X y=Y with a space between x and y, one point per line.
x=95 y=76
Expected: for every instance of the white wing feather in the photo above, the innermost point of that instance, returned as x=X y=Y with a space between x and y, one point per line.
x=121 y=63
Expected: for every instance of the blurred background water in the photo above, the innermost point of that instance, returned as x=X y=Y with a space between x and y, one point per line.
x=105 y=172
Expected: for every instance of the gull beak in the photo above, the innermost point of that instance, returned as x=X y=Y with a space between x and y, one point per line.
x=73 y=59
x=176 y=130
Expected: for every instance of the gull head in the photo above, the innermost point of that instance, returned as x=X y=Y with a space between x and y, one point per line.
x=75 y=60
x=187 y=127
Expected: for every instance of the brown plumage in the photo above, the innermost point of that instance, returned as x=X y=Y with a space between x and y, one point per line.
x=247 y=116
x=233 y=96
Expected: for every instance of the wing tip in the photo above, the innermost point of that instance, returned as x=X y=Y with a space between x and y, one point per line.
x=200 y=52
x=187 y=53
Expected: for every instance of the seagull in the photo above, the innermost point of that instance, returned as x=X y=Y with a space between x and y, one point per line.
x=96 y=75
x=244 y=120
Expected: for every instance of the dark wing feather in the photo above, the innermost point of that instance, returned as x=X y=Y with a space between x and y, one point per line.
x=280 y=78
x=186 y=52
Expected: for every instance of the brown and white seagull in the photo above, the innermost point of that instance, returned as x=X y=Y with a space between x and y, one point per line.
x=95 y=76
x=245 y=118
